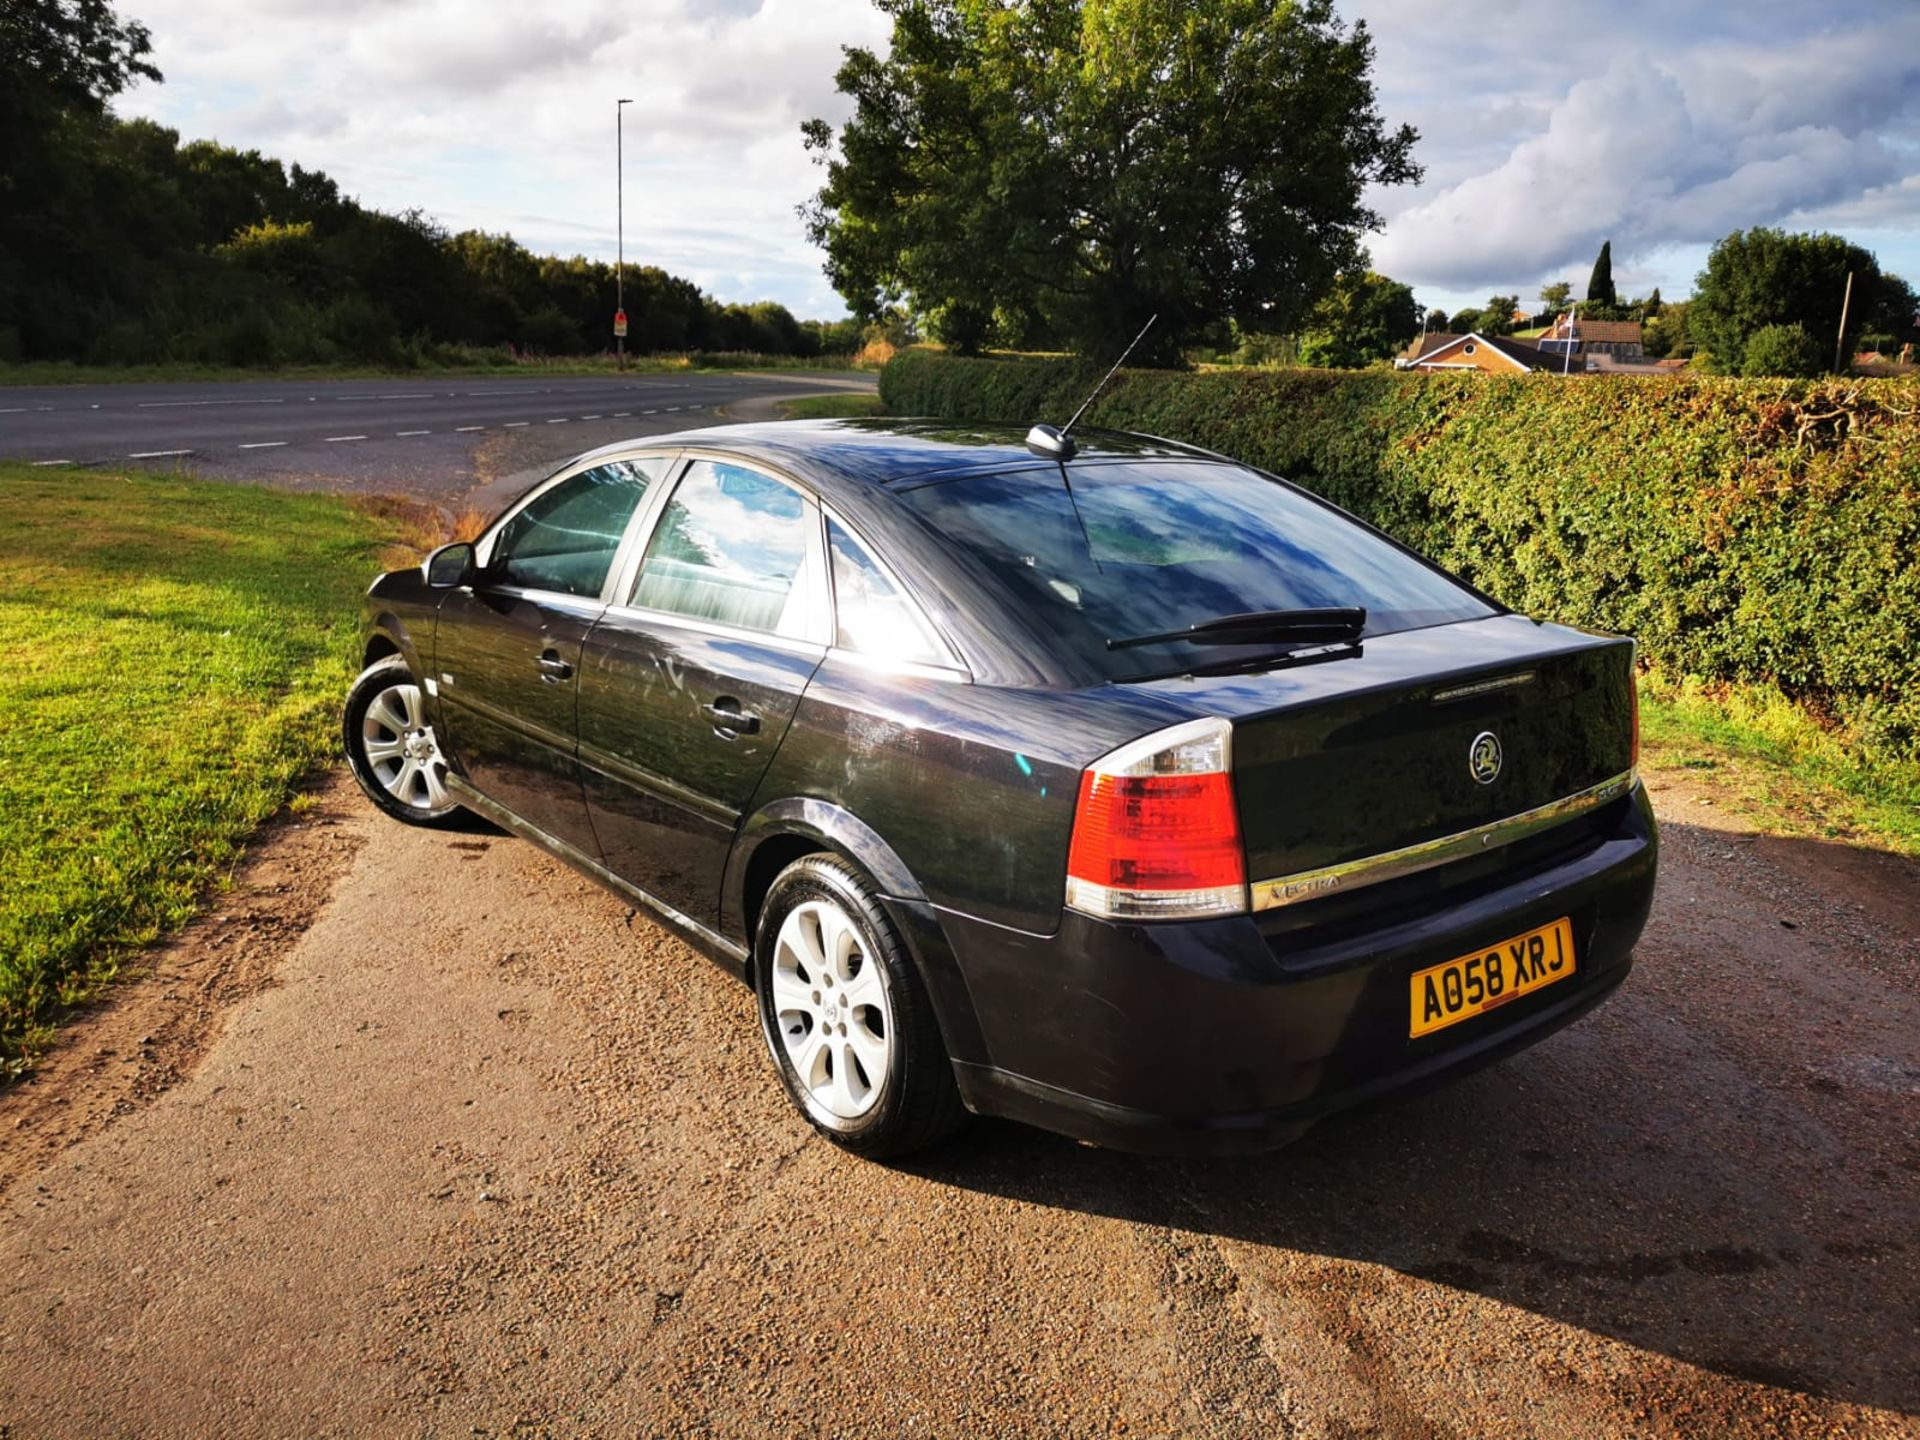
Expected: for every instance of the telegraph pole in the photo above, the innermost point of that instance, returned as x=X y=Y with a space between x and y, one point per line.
x=1840 y=342
x=620 y=233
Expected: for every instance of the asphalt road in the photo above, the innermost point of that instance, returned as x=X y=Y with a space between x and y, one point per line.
x=404 y=436
x=473 y=1149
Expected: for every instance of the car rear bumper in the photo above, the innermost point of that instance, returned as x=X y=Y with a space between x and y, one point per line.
x=1234 y=1035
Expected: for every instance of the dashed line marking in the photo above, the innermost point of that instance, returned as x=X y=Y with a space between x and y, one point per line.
x=621 y=414
x=591 y=417
x=561 y=421
x=42 y=463
x=14 y=410
x=649 y=412
x=467 y=429
x=336 y=439
x=156 y=454
x=516 y=424
x=195 y=404
x=402 y=434
x=263 y=444
x=672 y=408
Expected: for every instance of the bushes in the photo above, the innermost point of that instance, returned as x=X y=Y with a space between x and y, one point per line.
x=1750 y=531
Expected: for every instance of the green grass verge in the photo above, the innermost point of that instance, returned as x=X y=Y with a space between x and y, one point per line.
x=59 y=372
x=1786 y=773
x=831 y=407
x=175 y=652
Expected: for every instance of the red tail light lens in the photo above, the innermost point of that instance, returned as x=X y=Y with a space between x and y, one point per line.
x=1633 y=693
x=1156 y=833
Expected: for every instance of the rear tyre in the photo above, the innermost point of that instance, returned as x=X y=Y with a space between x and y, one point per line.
x=846 y=1017
x=391 y=748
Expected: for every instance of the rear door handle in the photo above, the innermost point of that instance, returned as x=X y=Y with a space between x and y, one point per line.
x=553 y=668
x=726 y=714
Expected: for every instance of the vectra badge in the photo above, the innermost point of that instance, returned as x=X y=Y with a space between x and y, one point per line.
x=1483 y=759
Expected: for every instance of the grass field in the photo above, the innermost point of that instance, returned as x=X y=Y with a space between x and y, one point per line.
x=831 y=407
x=483 y=362
x=174 y=653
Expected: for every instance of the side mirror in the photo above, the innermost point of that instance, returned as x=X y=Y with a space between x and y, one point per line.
x=449 y=566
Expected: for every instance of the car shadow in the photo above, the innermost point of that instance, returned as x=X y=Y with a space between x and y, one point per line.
x=1654 y=1173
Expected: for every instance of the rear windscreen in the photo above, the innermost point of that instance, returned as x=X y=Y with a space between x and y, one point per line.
x=1135 y=549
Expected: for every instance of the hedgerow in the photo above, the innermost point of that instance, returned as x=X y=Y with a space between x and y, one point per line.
x=1746 y=531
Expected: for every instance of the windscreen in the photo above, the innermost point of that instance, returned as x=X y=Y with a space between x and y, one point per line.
x=1133 y=549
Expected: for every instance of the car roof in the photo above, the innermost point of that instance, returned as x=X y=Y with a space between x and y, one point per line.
x=834 y=455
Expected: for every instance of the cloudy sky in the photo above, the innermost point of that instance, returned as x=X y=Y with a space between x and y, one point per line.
x=1547 y=125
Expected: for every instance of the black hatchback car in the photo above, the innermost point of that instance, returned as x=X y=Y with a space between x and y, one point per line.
x=1139 y=795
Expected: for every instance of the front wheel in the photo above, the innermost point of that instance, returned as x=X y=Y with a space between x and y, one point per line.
x=391 y=748
x=846 y=1017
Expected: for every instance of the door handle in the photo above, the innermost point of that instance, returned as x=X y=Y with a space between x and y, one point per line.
x=553 y=668
x=726 y=714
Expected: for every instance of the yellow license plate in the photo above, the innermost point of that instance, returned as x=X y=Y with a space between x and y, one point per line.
x=1446 y=994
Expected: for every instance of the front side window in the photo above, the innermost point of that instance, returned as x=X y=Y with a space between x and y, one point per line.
x=1135 y=549
x=871 y=616
x=730 y=547
x=564 y=539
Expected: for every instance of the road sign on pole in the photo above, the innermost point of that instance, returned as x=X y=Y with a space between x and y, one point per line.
x=620 y=324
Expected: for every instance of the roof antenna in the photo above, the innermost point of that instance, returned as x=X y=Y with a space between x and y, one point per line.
x=1051 y=444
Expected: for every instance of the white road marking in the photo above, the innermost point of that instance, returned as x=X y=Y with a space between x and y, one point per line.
x=404 y=433
x=591 y=417
x=14 y=410
x=195 y=404
x=561 y=421
x=467 y=429
x=263 y=444
x=156 y=454
x=649 y=412
x=621 y=414
x=38 y=463
x=336 y=439
x=672 y=408
x=516 y=424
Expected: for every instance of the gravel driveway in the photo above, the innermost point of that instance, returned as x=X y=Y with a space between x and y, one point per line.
x=424 y=1135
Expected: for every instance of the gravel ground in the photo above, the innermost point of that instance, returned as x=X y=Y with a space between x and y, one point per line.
x=465 y=1147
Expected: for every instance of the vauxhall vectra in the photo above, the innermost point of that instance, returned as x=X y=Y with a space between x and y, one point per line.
x=1100 y=782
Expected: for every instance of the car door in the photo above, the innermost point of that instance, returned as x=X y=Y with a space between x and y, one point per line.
x=507 y=647
x=689 y=680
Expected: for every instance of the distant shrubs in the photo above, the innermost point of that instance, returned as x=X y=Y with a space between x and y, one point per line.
x=1743 y=530
x=1784 y=350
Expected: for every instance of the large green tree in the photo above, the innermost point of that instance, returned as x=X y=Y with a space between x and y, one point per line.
x=1363 y=318
x=1600 y=287
x=1096 y=162
x=1760 y=277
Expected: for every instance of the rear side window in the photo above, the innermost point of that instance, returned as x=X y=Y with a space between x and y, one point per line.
x=564 y=540
x=872 y=616
x=1135 y=549
x=731 y=547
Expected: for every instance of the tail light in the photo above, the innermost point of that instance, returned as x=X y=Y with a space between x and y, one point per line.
x=1156 y=834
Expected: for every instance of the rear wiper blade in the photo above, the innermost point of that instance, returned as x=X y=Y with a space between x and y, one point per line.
x=1326 y=624
x=1258 y=664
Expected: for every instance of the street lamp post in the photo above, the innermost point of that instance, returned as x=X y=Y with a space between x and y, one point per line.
x=620 y=232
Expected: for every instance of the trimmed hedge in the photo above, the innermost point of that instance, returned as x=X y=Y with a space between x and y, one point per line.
x=1746 y=531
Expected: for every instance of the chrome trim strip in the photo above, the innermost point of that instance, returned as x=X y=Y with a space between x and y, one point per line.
x=1393 y=864
x=688 y=928
x=1482 y=687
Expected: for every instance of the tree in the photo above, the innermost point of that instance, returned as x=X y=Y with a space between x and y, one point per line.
x=1652 y=305
x=1497 y=317
x=1463 y=321
x=1098 y=162
x=1555 y=296
x=1666 y=334
x=1761 y=277
x=1363 y=318
x=1436 y=319
x=1600 y=282
x=1782 y=350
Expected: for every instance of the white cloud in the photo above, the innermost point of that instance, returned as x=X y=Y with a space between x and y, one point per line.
x=1546 y=127
x=1658 y=126
x=499 y=115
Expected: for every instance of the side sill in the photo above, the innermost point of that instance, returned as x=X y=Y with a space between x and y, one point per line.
x=725 y=953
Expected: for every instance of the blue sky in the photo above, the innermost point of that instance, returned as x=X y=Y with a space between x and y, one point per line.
x=1547 y=125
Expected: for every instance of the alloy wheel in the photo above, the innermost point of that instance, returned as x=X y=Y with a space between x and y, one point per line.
x=832 y=1010
x=402 y=753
